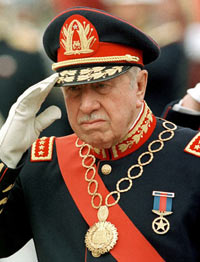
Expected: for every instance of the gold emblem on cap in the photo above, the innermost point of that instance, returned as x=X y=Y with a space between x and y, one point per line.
x=106 y=169
x=82 y=45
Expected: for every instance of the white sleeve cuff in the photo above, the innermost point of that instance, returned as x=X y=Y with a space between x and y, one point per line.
x=179 y=108
x=195 y=92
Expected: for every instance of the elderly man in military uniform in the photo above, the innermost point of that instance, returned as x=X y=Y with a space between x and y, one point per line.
x=125 y=186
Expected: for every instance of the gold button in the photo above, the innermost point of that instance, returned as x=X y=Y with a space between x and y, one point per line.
x=106 y=169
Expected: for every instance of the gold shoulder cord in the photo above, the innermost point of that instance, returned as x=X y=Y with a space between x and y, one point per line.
x=102 y=236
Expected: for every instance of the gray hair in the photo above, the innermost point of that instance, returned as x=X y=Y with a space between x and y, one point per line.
x=133 y=71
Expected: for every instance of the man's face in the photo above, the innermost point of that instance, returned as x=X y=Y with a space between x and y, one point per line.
x=101 y=114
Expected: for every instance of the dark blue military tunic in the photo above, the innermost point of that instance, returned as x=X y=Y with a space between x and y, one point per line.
x=41 y=207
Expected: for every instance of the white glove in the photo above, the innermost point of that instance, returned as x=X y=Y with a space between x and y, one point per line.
x=190 y=105
x=22 y=127
x=195 y=92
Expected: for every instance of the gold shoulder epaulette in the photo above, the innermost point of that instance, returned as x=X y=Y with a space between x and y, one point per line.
x=194 y=146
x=42 y=149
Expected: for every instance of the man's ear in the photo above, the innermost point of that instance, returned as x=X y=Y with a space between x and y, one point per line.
x=142 y=78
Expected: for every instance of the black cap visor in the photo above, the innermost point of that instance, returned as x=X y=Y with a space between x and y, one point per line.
x=80 y=76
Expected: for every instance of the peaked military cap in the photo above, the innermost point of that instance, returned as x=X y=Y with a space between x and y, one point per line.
x=89 y=45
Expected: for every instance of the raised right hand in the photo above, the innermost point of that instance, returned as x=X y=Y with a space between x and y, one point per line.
x=22 y=126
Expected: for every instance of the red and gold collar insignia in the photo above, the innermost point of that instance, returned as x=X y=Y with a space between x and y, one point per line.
x=194 y=146
x=136 y=137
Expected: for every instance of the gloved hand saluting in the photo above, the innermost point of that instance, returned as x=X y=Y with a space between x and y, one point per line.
x=22 y=126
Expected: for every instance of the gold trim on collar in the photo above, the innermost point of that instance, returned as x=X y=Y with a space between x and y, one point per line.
x=136 y=136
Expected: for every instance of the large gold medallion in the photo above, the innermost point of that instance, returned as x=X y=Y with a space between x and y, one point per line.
x=101 y=238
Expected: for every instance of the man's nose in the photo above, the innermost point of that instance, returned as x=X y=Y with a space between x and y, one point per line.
x=89 y=101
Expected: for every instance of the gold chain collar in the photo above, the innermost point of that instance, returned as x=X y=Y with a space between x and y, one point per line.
x=102 y=236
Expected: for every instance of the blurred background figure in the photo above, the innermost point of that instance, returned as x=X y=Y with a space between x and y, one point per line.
x=192 y=39
x=21 y=64
x=165 y=22
x=22 y=61
x=175 y=25
x=168 y=77
x=60 y=5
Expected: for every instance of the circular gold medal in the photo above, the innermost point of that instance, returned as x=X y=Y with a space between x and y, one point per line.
x=101 y=238
x=160 y=225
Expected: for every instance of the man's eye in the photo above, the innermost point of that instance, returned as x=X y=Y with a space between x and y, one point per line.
x=102 y=87
x=74 y=88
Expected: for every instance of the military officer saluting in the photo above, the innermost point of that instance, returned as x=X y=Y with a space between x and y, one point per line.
x=125 y=186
